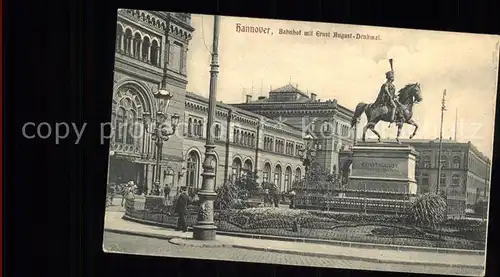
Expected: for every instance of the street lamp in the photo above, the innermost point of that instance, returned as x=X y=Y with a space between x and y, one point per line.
x=307 y=154
x=160 y=133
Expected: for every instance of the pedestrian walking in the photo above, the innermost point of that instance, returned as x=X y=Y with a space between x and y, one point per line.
x=128 y=191
x=181 y=210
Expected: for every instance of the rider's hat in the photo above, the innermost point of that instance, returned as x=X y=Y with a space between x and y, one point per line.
x=389 y=74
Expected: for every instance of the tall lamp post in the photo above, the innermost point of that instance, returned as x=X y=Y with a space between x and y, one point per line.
x=205 y=228
x=160 y=133
x=443 y=108
x=307 y=155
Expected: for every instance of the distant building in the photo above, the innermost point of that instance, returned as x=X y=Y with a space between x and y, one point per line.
x=465 y=173
x=327 y=121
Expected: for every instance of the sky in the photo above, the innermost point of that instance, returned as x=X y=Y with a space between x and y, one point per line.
x=352 y=71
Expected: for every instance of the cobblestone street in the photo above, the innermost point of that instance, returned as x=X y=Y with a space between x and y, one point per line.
x=158 y=247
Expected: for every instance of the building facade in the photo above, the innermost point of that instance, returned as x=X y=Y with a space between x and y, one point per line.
x=150 y=45
x=244 y=142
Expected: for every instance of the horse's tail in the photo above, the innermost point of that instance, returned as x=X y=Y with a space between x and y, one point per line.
x=360 y=108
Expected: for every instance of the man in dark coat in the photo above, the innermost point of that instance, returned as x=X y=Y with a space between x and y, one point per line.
x=181 y=210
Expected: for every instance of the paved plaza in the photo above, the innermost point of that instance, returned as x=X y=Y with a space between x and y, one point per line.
x=130 y=237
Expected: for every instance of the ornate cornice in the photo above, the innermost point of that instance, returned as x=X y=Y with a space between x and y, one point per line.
x=150 y=73
x=159 y=22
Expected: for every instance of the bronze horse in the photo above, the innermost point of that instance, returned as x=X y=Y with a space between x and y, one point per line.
x=407 y=96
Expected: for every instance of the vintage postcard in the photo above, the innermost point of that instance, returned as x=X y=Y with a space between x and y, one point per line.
x=301 y=143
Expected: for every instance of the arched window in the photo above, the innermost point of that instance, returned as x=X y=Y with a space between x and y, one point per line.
x=248 y=166
x=456 y=162
x=237 y=136
x=146 y=44
x=128 y=42
x=442 y=179
x=190 y=126
x=119 y=38
x=195 y=127
x=193 y=170
x=455 y=180
x=154 y=57
x=129 y=118
x=217 y=131
x=242 y=138
x=427 y=161
x=200 y=128
x=137 y=43
x=253 y=140
x=277 y=176
x=298 y=174
x=266 y=173
x=236 y=174
x=288 y=178
x=120 y=125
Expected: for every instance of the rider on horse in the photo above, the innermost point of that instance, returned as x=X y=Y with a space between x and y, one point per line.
x=387 y=95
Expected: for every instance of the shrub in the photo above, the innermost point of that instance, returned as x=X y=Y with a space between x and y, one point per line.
x=247 y=185
x=428 y=210
x=227 y=196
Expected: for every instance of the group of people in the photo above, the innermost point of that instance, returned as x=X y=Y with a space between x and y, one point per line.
x=128 y=192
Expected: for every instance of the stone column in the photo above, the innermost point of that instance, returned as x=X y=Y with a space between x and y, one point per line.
x=158 y=53
x=140 y=49
x=149 y=54
x=132 y=46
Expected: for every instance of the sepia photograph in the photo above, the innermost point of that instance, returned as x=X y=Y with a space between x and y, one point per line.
x=300 y=143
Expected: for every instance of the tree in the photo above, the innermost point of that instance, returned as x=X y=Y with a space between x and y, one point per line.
x=227 y=196
x=428 y=210
x=247 y=184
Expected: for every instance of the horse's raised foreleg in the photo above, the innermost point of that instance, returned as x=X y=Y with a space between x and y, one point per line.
x=411 y=122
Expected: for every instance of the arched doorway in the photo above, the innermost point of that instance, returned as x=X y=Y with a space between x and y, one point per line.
x=248 y=167
x=277 y=176
x=192 y=170
x=288 y=178
x=130 y=106
x=266 y=173
x=236 y=169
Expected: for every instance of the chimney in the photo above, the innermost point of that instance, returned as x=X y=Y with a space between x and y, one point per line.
x=249 y=98
x=313 y=97
x=262 y=97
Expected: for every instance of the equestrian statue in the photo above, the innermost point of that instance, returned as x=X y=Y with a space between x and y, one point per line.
x=390 y=107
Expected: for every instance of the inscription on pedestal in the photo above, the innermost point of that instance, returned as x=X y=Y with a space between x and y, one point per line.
x=379 y=167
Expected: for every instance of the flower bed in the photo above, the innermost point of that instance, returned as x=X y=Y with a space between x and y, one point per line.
x=348 y=227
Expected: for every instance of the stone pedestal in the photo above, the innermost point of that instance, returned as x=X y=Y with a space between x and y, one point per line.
x=383 y=167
